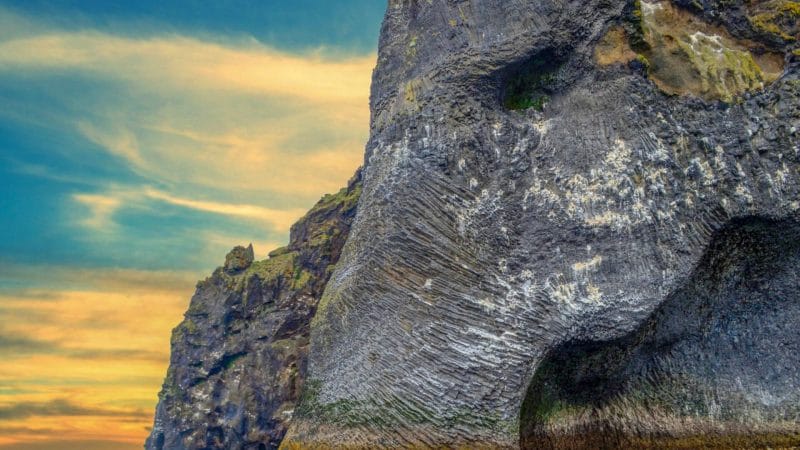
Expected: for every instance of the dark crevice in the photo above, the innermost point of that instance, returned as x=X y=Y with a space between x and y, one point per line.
x=531 y=83
x=225 y=363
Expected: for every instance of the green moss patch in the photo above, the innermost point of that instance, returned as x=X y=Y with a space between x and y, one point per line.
x=777 y=19
x=185 y=328
x=271 y=269
x=279 y=252
x=301 y=279
x=530 y=84
x=689 y=57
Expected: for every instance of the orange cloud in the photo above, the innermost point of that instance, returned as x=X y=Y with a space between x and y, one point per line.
x=198 y=118
x=185 y=63
x=281 y=220
x=207 y=127
x=86 y=364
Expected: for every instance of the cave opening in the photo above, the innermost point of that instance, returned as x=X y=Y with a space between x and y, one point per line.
x=532 y=82
x=713 y=366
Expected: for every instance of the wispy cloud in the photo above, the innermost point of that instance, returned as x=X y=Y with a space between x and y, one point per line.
x=184 y=63
x=280 y=219
x=62 y=407
x=239 y=130
x=70 y=349
x=177 y=148
x=120 y=142
x=63 y=444
x=21 y=345
x=103 y=279
x=101 y=209
x=187 y=110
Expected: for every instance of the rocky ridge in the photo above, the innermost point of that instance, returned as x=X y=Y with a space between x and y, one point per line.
x=239 y=357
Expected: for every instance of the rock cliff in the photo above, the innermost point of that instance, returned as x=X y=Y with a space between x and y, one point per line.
x=239 y=357
x=578 y=225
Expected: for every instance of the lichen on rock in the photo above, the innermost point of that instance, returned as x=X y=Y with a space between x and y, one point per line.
x=778 y=19
x=686 y=56
x=614 y=48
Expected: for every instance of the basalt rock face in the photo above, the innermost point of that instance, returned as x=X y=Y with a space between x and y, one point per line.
x=714 y=367
x=541 y=175
x=239 y=357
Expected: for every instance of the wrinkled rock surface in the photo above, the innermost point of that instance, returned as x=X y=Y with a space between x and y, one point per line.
x=239 y=357
x=519 y=195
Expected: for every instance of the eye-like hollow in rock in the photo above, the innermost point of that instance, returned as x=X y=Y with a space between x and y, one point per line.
x=532 y=82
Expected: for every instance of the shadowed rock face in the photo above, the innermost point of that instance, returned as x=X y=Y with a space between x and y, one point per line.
x=488 y=233
x=714 y=366
x=239 y=356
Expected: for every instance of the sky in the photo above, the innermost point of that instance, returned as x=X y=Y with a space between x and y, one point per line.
x=139 y=142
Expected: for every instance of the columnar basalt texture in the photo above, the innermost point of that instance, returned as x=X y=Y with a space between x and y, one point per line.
x=518 y=194
x=714 y=367
x=239 y=357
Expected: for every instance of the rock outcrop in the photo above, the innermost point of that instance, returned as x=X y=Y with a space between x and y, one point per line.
x=578 y=224
x=519 y=194
x=239 y=356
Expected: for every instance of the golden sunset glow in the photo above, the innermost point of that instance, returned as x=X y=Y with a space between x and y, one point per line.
x=138 y=146
x=95 y=358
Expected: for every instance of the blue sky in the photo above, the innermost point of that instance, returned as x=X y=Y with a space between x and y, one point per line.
x=45 y=158
x=350 y=25
x=139 y=142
